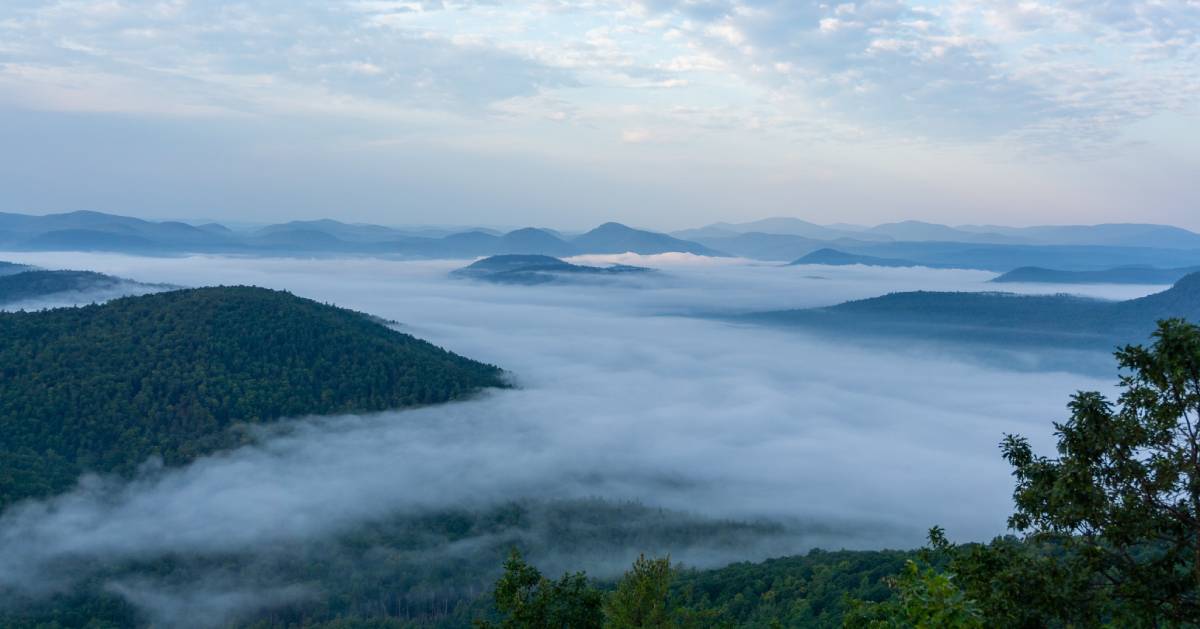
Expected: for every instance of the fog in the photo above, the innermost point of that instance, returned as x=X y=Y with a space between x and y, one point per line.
x=618 y=396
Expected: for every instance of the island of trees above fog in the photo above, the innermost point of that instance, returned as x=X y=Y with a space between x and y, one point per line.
x=538 y=269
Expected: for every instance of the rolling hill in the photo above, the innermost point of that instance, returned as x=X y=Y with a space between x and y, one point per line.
x=103 y=388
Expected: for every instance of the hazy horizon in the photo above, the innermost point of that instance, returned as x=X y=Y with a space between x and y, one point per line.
x=242 y=224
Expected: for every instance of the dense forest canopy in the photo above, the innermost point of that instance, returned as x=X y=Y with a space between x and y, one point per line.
x=104 y=387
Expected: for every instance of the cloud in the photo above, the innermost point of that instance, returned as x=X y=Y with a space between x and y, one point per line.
x=619 y=398
x=957 y=71
x=742 y=97
x=243 y=58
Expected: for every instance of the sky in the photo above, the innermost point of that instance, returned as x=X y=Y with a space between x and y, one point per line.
x=661 y=113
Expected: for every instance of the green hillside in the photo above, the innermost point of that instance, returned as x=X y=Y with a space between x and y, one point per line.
x=101 y=388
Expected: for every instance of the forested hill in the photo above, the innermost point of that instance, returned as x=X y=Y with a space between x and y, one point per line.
x=104 y=387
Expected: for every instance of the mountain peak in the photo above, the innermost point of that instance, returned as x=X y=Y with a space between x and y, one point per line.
x=613 y=226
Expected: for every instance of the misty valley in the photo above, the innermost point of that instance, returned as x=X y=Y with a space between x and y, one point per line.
x=604 y=314
x=570 y=436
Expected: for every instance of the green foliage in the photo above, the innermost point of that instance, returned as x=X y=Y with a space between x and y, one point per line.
x=808 y=591
x=812 y=590
x=641 y=598
x=1112 y=525
x=105 y=387
x=925 y=599
x=1123 y=497
x=527 y=600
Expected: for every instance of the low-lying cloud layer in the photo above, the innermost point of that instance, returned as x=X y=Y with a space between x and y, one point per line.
x=619 y=398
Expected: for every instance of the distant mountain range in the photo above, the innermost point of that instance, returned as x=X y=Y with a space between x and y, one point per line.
x=95 y=231
x=537 y=269
x=1119 y=275
x=1110 y=235
x=1005 y=319
x=994 y=248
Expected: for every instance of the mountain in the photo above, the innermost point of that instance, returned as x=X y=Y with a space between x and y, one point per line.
x=965 y=255
x=833 y=257
x=470 y=244
x=776 y=247
x=1104 y=235
x=85 y=230
x=87 y=240
x=783 y=238
x=1002 y=318
x=536 y=269
x=105 y=387
x=39 y=284
x=919 y=231
x=1118 y=275
x=617 y=238
x=1004 y=258
x=356 y=232
x=783 y=226
x=300 y=239
x=1109 y=234
x=534 y=241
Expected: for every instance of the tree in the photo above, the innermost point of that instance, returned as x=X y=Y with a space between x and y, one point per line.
x=642 y=596
x=528 y=600
x=1122 y=499
x=1111 y=526
x=925 y=599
